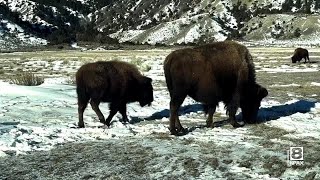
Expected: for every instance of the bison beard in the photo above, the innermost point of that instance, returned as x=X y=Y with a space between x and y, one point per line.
x=222 y=71
x=113 y=81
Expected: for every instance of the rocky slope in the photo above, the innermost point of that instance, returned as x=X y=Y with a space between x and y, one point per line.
x=155 y=21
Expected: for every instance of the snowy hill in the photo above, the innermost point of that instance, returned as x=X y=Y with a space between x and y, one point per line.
x=164 y=22
x=13 y=36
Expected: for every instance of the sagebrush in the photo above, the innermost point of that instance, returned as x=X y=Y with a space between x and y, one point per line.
x=27 y=79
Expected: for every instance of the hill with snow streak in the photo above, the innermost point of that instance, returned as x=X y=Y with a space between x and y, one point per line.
x=161 y=22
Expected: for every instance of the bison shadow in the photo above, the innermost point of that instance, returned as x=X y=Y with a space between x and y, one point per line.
x=276 y=112
x=311 y=62
x=166 y=113
x=264 y=114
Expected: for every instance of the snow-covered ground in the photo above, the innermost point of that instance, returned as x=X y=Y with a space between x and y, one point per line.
x=43 y=118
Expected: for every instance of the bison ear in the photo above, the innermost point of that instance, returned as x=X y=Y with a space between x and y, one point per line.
x=262 y=92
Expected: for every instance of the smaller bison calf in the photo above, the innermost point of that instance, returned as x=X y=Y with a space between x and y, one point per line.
x=112 y=81
x=300 y=53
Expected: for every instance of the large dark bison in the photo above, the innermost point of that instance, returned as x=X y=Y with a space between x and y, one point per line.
x=222 y=71
x=111 y=81
x=300 y=53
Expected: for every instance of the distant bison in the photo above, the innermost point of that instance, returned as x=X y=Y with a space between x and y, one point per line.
x=222 y=71
x=111 y=81
x=300 y=53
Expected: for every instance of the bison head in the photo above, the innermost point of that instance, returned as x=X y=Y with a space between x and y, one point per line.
x=250 y=103
x=294 y=59
x=145 y=92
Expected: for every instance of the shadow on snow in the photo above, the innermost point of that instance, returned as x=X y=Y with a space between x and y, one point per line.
x=276 y=112
x=166 y=113
x=264 y=115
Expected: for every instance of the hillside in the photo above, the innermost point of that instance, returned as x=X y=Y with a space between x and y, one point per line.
x=37 y=22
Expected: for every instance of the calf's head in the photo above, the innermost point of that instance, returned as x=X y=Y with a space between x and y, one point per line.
x=145 y=92
x=251 y=102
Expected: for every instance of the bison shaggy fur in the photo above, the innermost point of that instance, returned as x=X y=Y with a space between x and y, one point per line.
x=300 y=53
x=111 y=81
x=213 y=73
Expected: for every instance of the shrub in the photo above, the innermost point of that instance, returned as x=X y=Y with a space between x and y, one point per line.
x=27 y=79
x=71 y=80
x=146 y=68
x=297 y=32
x=136 y=61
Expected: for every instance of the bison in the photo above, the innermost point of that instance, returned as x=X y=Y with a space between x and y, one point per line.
x=221 y=71
x=111 y=81
x=300 y=53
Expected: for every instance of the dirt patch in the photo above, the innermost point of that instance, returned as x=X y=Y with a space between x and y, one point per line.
x=191 y=167
x=274 y=166
x=267 y=132
x=80 y=160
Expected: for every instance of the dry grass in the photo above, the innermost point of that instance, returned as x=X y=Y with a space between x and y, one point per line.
x=70 y=61
x=27 y=79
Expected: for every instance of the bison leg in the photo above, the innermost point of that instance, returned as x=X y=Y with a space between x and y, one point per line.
x=211 y=111
x=232 y=120
x=96 y=109
x=113 y=110
x=232 y=108
x=81 y=108
x=123 y=112
x=82 y=104
x=175 y=125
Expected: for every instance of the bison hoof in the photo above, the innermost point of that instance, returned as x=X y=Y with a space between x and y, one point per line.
x=210 y=125
x=105 y=127
x=179 y=132
x=81 y=125
x=125 y=121
x=236 y=124
x=107 y=123
x=173 y=132
x=250 y=122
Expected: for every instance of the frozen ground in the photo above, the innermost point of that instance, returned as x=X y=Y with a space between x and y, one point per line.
x=39 y=139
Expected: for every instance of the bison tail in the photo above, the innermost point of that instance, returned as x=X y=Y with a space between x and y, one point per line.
x=167 y=73
x=83 y=96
